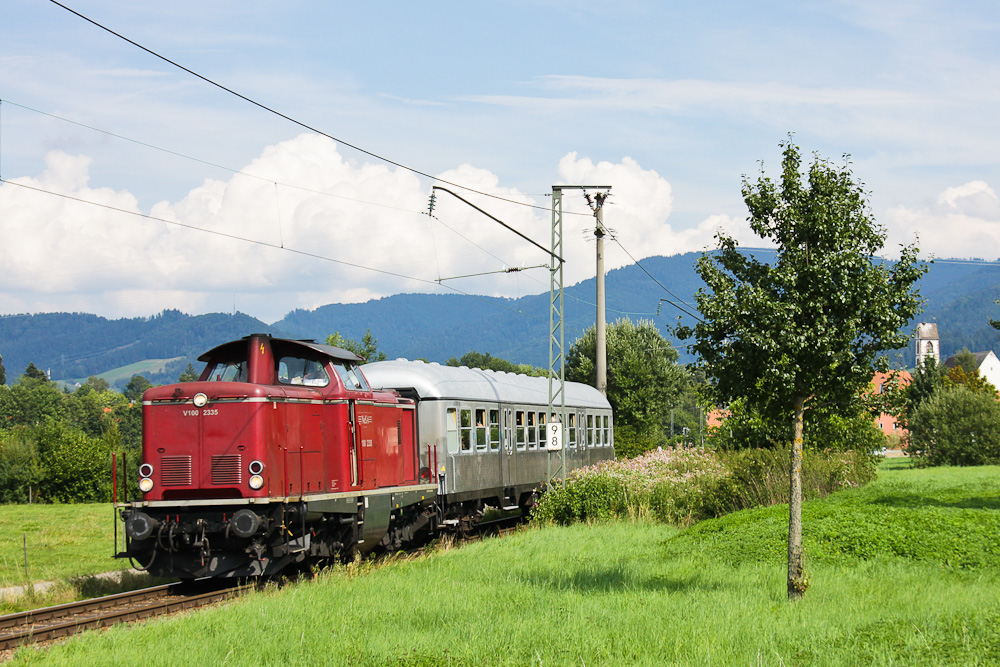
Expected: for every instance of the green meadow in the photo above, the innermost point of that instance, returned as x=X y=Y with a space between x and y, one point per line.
x=905 y=571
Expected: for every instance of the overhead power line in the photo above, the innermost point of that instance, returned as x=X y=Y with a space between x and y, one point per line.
x=266 y=244
x=289 y=118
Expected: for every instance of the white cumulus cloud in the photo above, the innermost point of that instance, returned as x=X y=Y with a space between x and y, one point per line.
x=961 y=218
x=301 y=226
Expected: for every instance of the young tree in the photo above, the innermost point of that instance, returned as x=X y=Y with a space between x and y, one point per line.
x=367 y=348
x=188 y=375
x=808 y=328
x=644 y=379
x=35 y=373
x=135 y=387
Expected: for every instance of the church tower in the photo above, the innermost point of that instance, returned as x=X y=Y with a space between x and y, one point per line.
x=928 y=344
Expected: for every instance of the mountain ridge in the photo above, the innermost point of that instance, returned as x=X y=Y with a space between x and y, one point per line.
x=960 y=299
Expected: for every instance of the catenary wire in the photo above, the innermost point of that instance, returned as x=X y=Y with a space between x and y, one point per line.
x=266 y=244
x=289 y=118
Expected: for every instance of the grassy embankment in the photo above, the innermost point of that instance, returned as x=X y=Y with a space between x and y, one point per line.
x=905 y=571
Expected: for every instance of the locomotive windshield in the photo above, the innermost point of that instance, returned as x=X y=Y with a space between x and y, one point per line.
x=297 y=370
x=228 y=371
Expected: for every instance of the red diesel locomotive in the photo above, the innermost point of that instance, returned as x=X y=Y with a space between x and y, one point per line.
x=281 y=453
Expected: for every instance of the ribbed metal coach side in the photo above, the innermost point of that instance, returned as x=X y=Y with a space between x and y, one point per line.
x=513 y=462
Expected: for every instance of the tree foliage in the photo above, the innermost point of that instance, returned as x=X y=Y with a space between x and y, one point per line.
x=188 y=375
x=956 y=426
x=644 y=379
x=3 y=372
x=136 y=386
x=487 y=361
x=33 y=372
x=367 y=348
x=56 y=445
x=807 y=328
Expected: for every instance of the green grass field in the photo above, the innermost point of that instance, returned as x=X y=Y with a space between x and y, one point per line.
x=63 y=541
x=891 y=584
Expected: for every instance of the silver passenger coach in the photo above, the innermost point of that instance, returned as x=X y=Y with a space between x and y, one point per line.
x=482 y=432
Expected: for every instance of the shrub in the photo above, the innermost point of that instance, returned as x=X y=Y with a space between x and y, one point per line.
x=76 y=467
x=20 y=470
x=684 y=485
x=956 y=426
x=631 y=442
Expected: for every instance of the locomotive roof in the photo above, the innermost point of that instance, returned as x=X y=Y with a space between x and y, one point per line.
x=236 y=347
x=434 y=381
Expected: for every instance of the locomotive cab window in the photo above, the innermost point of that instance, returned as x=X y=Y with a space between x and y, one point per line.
x=300 y=371
x=350 y=375
x=228 y=371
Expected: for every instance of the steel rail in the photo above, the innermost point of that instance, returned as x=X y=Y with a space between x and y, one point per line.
x=40 y=625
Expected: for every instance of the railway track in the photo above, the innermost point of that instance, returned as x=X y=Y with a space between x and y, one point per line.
x=50 y=623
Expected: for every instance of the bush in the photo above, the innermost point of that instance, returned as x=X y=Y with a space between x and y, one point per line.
x=20 y=470
x=76 y=468
x=631 y=442
x=956 y=426
x=684 y=485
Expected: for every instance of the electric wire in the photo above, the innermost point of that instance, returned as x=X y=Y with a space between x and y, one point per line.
x=267 y=244
x=261 y=178
x=207 y=162
x=651 y=277
x=289 y=118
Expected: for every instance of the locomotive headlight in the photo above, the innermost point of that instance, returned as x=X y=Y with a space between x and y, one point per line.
x=200 y=400
x=146 y=470
x=255 y=467
x=256 y=481
x=145 y=485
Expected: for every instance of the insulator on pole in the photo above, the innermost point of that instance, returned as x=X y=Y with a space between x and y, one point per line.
x=430 y=204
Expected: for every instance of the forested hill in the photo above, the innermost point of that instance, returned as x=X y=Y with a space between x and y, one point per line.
x=78 y=345
x=960 y=299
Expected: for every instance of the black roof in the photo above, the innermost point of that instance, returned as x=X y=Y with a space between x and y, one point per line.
x=234 y=347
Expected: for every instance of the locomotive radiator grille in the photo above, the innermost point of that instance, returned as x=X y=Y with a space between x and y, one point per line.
x=227 y=469
x=175 y=470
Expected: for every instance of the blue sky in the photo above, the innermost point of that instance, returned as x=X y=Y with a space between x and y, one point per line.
x=670 y=103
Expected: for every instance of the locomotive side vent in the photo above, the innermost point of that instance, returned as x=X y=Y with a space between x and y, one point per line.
x=227 y=469
x=175 y=470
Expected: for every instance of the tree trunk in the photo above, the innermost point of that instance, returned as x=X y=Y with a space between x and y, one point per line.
x=797 y=581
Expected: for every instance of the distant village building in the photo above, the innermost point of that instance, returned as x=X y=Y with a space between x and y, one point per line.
x=986 y=362
x=886 y=422
x=928 y=343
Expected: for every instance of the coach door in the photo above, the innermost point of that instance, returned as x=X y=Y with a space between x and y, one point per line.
x=508 y=460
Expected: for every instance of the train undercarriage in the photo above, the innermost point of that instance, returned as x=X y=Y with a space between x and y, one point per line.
x=247 y=540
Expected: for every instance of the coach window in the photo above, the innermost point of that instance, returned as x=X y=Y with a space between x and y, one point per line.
x=481 y=440
x=296 y=370
x=541 y=430
x=572 y=429
x=606 y=430
x=532 y=432
x=519 y=425
x=494 y=430
x=452 y=430
x=590 y=430
x=467 y=433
